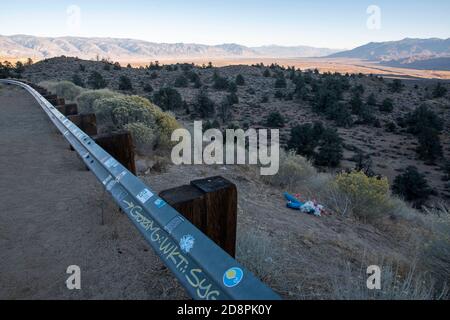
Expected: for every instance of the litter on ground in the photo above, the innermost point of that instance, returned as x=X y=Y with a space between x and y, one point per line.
x=310 y=207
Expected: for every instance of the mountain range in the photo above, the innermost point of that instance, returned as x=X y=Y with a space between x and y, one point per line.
x=408 y=49
x=22 y=46
x=430 y=53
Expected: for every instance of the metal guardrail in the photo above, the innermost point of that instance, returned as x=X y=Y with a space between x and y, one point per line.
x=202 y=267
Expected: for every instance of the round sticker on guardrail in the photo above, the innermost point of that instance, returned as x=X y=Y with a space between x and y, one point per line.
x=232 y=277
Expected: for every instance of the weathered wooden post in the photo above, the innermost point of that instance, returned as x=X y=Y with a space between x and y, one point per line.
x=86 y=122
x=211 y=205
x=120 y=146
x=68 y=109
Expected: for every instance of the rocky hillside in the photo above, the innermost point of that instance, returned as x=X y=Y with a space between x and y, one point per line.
x=370 y=116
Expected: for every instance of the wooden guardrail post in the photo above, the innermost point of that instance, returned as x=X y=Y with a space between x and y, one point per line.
x=86 y=122
x=68 y=109
x=211 y=205
x=120 y=146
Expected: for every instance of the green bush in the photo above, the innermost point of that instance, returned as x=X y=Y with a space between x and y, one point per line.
x=294 y=171
x=86 y=99
x=148 y=88
x=412 y=186
x=330 y=150
x=396 y=86
x=76 y=79
x=63 y=89
x=387 y=105
x=422 y=118
x=181 y=82
x=120 y=110
x=220 y=83
x=280 y=83
x=240 y=81
x=203 y=105
x=304 y=139
x=138 y=115
x=96 y=80
x=369 y=196
x=275 y=120
x=125 y=83
x=142 y=134
x=168 y=99
x=429 y=144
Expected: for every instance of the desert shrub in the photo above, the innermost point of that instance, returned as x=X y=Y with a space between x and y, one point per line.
x=304 y=139
x=5 y=70
x=86 y=99
x=371 y=100
x=181 y=82
x=266 y=73
x=168 y=98
x=280 y=83
x=254 y=251
x=356 y=104
x=64 y=89
x=148 y=88
x=107 y=67
x=367 y=115
x=125 y=83
x=203 y=105
x=396 y=86
x=435 y=255
x=240 y=81
x=423 y=117
x=117 y=66
x=340 y=114
x=219 y=82
x=439 y=91
x=192 y=76
x=96 y=80
x=429 y=144
x=142 y=134
x=369 y=196
x=232 y=98
x=350 y=284
x=76 y=79
x=232 y=87
x=412 y=186
x=225 y=109
x=330 y=149
x=120 y=110
x=294 y=171
x=387 y=105
x=125 y=112
x=275 y=120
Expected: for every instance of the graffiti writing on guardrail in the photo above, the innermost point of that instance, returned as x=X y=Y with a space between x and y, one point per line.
x=170 y=251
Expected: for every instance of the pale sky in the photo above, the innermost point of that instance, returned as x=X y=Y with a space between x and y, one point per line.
x=331 y=24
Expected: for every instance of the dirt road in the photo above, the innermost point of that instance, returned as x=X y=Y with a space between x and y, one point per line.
x=53 y=214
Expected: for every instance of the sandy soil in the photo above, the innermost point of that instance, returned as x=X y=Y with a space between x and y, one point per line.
x=51 y=217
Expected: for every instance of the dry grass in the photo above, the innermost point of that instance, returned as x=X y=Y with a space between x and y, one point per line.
x=351 y=284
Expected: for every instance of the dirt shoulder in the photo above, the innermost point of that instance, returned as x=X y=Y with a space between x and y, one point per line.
x=53 y=214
